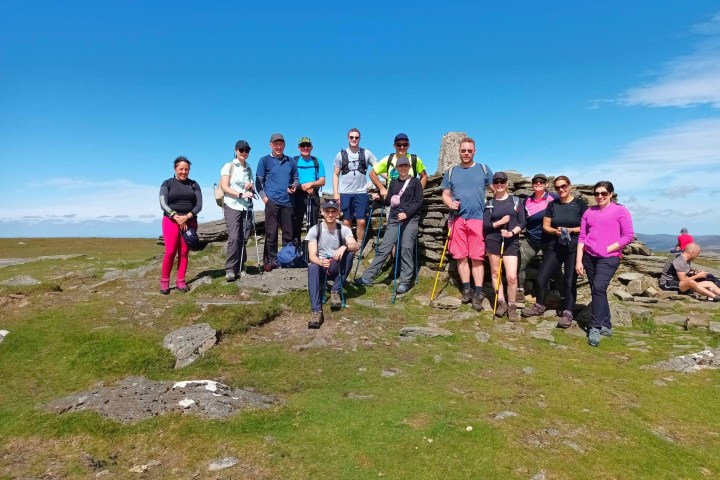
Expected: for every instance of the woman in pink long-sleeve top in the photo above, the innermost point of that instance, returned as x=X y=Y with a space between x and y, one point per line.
x=604 y=230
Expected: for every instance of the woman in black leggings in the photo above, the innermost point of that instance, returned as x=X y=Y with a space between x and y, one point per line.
x=562 y=223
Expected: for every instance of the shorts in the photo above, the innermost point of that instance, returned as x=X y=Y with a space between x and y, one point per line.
x=493 y=244
x=354 y=206
x=467 y=239
x=670 y=286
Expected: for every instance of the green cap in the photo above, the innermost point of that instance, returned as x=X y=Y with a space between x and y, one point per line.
x=304 y=140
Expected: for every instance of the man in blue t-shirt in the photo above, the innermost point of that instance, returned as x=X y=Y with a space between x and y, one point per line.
x=276 y=179
x=306 y=199
x=464 y=191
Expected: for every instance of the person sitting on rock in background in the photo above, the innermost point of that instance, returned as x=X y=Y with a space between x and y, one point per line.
x=562 y=225
x=679 y=276
x=682 y=241
x=236 y=181
x=604 y=230
x=387 y=166
x=405 y=198
x=535 y=239
x=464 y=190
x=181 y=202
x=504 y=219
x=331 y=248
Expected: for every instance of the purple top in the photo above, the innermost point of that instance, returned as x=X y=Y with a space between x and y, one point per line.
x=601 y=228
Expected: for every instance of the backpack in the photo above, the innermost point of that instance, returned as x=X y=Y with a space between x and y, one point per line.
x=290 y=256
x=315 y=161
x=413 y=164
x=487 y=180
x=516 y=202
x=362 y=164
x=338 y=228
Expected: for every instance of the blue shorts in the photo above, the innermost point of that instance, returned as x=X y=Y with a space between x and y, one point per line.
x=354 y=206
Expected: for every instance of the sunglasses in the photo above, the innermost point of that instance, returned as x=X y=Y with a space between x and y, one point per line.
x=402 y=145
x=499 y=182
x=539 y=182
x=601 y=194
x=244 y=150
x=564 y=186
x=305 y=145
x=354 y=137
x=466 y=150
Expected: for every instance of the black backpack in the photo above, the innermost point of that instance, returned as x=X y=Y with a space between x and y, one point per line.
x=316 y=165
x=338 y=228
x=362 y=165
x=413 y=164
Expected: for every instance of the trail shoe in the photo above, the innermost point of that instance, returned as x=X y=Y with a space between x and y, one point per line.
x=403 y=288
x=512 y=313
x=182 y=286
x=594 y=337
x=566 y=320
x=534 y=311
x=606 y=332
x=467 y=295
x=362 y=281
x=230 y=277
x=316 y=320
x=477 y=301
x=165 y=287
x=335 y=301
x=501 y=309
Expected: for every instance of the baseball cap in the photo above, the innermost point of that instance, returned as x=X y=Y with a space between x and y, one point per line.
x=500 y=176
x=241 y=144
x=304 y=140
x=276 y=136
x=539 y=176
x=402 y=161
x=331 y=203
x=401 y=136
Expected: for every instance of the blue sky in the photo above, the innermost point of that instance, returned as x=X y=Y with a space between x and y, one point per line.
x=98 y=98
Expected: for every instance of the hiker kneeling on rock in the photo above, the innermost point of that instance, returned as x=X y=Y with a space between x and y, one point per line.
x=330 y=250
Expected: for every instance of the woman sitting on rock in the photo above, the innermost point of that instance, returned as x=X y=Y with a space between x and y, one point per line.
x=562 y=224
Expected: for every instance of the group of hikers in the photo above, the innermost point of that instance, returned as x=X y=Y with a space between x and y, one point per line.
x=574 y=239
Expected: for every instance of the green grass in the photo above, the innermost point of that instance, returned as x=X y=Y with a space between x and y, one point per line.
x=581 y=413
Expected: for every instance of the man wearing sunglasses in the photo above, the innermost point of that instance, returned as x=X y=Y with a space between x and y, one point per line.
x=386 y=166
x=350 y=182
x=276 y=179
x=464 y=191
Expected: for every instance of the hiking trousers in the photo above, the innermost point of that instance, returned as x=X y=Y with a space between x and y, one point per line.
x=599 y=271
x=408 y=234
x=317 y=274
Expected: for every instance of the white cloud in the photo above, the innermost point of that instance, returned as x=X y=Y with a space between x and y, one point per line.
x=687 y=81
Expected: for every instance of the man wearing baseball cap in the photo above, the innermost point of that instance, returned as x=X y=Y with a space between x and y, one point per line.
x=306 y=199
x=331 y=248
x=276 y=179
x=386 y=166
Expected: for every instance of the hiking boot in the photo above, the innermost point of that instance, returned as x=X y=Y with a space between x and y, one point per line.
x=512 y=313
x=182 y=286
x=566 y=319
x=477 y=300
x=403 y=288
x=362 y=281
x=501 y=309
x=165 y=287
x=316 y=320
x=594 y=337
x=268 y=267
x=335 y=301
x=467 y=295
x=230 y=277
x=606 y=332
x=534 y=311
x=520 y=295
x=716 y=299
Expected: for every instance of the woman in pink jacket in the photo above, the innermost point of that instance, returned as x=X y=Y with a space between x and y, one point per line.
x=604 y=230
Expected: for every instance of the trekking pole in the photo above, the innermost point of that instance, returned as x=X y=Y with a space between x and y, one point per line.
x=364 y=242
x=327 y=274
x=497 y=287
x=417 y=263
x=442 y=257
x=257 y=250
x=342 y=285
x=377 y=241
x=397 y=257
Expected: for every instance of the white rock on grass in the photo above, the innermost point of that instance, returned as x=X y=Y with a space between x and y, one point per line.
x=3 y=334
x=223 y=463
